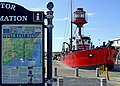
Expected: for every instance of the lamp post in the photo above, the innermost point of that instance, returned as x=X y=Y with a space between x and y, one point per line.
x=49 y=26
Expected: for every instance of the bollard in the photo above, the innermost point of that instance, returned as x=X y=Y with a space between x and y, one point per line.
x=76 y=72
x=100 y=70
x=107 y=75
x=103 y=82
x=60 y=81
x=55 y=70
x=97 y=72
x=103 y=68
x=116 y=60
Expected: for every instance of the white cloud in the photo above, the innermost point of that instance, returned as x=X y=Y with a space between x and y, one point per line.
x=59 y=38
x=38 y=9
x=62 y=19
x=91 y=29
x=91 y=14
x=96 y=29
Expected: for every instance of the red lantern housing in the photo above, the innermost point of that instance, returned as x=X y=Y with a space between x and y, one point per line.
x=80 y=17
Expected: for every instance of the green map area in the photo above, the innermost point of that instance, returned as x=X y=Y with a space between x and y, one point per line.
x=17 y=48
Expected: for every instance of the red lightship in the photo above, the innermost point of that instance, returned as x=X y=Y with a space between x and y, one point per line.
x=81 y=52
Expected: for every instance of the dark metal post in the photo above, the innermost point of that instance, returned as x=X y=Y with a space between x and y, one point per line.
x=97 y=72
x=76 y=72
x=103 y=82
x=71 y=28
x=55 y=71
x=49 y=17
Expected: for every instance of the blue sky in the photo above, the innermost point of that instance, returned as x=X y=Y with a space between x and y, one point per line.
x=103 y=18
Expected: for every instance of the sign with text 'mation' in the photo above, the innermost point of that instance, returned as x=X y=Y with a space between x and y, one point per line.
x=14 y=13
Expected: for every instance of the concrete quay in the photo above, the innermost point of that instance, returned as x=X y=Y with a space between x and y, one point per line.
x=85 y=78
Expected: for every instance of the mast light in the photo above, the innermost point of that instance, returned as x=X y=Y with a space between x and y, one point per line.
x=80 y=17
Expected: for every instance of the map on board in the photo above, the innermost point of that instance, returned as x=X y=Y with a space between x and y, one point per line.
x=22 y=53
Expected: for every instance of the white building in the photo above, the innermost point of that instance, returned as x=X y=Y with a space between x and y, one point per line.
x=116 y=43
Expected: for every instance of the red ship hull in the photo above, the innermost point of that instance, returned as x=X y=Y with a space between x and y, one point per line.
x=91 y=58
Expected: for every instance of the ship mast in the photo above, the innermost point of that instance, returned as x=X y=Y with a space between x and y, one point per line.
x=71 y=27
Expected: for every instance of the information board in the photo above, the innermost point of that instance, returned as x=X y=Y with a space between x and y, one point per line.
x=22 y=54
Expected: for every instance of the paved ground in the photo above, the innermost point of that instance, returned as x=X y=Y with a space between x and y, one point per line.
x=65 y=71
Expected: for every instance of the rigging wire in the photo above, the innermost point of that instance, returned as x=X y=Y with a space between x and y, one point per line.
x=83 y=30
x=75 y=31
x=66 y=23
x=68 y=32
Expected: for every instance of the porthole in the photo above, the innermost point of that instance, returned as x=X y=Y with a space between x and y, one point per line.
x=90 y=55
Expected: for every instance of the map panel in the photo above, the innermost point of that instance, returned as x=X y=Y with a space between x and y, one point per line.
x=22 y=53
